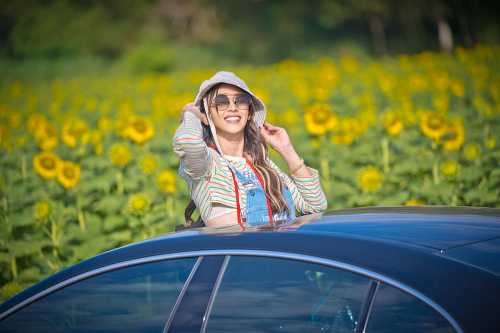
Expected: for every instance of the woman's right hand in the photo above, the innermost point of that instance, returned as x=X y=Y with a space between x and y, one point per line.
x=195 y=110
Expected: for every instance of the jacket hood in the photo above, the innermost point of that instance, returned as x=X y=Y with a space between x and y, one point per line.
x=229 y=78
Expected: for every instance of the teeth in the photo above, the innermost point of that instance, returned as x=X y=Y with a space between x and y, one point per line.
x=232 y=118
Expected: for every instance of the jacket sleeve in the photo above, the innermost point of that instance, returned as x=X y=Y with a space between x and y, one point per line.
x=307 y=193
x=194 y=154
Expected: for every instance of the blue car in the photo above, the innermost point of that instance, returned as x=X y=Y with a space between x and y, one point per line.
x=356 y=270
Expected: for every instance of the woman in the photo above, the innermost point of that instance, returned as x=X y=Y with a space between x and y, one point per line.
x=222 y=145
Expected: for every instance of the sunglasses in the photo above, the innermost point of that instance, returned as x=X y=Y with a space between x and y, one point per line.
x=241 y=101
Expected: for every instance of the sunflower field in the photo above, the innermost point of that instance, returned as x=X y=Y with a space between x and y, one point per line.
x=87 y=162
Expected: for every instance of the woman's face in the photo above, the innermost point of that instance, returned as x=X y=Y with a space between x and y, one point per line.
x=230 y=109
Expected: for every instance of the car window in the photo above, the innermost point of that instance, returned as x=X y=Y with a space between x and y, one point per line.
x=133 y=299
x=259 y=294
x=396 y=311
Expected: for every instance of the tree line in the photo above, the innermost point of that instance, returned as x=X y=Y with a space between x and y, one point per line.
x=252 y=30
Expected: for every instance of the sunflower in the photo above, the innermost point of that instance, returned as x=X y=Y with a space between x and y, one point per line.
x=166 y=181
x=149 y=164
x=370 y=179
x=454 y=136
x=120 y=154
x=68 y=174
x=104 y=123
x=138 y=204
x=457 y=88
x=46 y=137
x=346 y=131
x=414 y=202
x=449 y=168
x=418 y=82
x=42 y=210
x=472 y=151
x=75 y=131
x=46 y=164
x=140 y=129
x=319 y=119
x=393 y=125
x=98 y=149
x=490 y=142
x=433 y=125
x=441 y=102
x=35 y=120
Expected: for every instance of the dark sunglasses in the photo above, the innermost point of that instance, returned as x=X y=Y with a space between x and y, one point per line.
x=241 y=101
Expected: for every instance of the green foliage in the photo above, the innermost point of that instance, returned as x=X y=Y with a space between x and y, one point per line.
x=62 y=28
x=149 y=57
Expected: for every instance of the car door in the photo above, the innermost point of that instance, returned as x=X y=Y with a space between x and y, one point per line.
x=284 y=293
x=271 y=294
x=136 y=297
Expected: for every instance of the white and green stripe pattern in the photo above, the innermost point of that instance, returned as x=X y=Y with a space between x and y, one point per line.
x=210 y=180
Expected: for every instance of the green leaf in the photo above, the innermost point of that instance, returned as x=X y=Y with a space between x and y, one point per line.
x=96 y=163
x=5 y=257
x=96 y=184
x=24 y=248
x=395 y=199
x=342 y=189
x=90 y=248
x=495 y=176
x=114 y=222
x=471 y=174
x=121 y=236
x=109 y=205
x=406 y=167
x=23 y=218
x=481 y=196
x=131 y=184
x=31 y=274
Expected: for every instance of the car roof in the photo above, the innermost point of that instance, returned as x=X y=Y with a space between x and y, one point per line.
x=438 y=228
x=404 y=244
x=432 y=227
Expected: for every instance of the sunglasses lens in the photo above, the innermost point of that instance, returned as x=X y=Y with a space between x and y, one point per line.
x=242 y=101
x=221 y=102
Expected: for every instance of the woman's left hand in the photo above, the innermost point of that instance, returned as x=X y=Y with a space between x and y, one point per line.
x=277 y=137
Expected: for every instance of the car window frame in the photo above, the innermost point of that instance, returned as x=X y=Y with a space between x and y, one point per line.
x=375 y=277
x=102 y=270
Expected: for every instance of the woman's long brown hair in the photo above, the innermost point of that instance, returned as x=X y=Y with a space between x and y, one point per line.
x=257 y=149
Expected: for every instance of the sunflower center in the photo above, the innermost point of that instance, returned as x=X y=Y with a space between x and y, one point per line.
x=139 y=126
x=435 y=122
x=69 y=173
x=393 y=122
x=48 y=163
x=320 y=117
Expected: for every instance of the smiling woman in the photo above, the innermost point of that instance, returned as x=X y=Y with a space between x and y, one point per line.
x=222 y=143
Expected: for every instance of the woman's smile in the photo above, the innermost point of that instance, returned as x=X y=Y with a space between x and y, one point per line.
x=232 y=119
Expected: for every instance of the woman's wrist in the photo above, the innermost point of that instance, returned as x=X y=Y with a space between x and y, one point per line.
x=294 y=170
x=292 y=159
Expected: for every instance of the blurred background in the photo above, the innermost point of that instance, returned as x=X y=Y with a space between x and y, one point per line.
x=393 y=102
x=179 y=34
